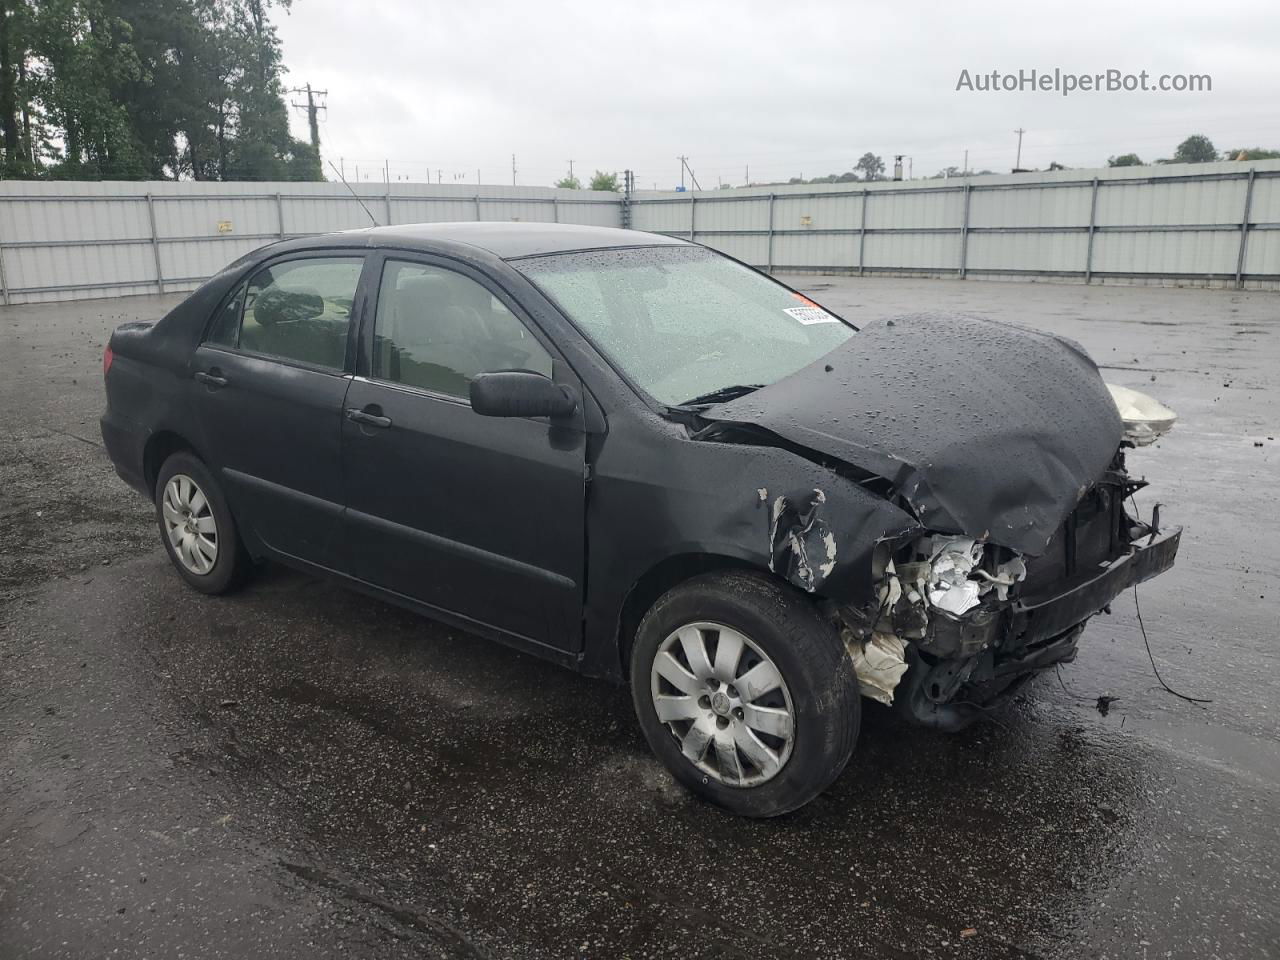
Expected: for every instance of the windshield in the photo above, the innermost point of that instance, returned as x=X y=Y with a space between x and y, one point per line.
x=684 y=322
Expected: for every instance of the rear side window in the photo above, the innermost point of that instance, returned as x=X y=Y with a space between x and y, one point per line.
x=437 y=329
x=296 y=310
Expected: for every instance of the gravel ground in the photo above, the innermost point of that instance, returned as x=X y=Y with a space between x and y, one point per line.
x=297 y=771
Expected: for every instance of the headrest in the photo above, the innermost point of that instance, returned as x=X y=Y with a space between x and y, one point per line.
x=278 y=305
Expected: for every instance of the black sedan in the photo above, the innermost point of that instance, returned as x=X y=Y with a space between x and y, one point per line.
x=648 y=462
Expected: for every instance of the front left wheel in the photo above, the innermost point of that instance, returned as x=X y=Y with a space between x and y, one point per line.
x=745 y=692
x=196 y=526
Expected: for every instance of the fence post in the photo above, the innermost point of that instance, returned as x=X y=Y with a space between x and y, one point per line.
x=862 y=231
x=477 y=208
x=628 y=188
x=555 y=210
x=280 y=215
x=772 y=198
x=692 y=208
x=964 y=235
x=1244 y=230
x=4 y=278
x=155 y=244
x=387 y=200
x=1093 y=216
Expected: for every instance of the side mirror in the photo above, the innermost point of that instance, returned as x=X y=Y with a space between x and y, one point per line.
x=520 y=393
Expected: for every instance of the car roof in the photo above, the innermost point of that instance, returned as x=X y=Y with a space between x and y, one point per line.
x=510 y=241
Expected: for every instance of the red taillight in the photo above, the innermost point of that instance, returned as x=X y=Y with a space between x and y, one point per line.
x=107 y=357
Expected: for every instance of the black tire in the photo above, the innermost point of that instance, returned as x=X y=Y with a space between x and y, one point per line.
x=232 y=564
x=808 y=654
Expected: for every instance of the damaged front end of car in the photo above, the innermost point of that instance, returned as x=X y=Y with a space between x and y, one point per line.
x=1017 y=492
x=959 y=625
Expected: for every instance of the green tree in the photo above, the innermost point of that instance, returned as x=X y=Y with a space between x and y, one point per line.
x=870 y=166
x=1251 y=153
x=261 y=148
x=83 y=56
x=1197 y=148
x=1125 y=160
x=16 y=22
x=127 y=89
x=569 y=182
x=604 y=181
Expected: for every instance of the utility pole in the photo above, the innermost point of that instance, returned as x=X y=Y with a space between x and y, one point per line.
x=684 y=165
x=477 y=176
x=570 y=169
x=1017 y=165
x=312 y=109
x=513 y=169
x=964 y=171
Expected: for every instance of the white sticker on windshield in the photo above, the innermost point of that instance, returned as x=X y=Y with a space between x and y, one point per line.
x=809 y=315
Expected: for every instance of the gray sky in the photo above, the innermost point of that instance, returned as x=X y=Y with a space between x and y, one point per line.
x=789 y=89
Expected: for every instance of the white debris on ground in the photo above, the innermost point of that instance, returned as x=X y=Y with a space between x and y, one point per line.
x=951 y=581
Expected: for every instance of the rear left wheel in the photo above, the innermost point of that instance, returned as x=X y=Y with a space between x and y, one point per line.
x=196 y=526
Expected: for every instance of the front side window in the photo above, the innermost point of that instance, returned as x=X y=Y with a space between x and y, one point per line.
x=684 y=322
x=225 y=329
x=296 y=310
x=437 y=329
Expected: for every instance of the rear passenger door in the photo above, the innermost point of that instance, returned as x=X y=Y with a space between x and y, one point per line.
x=268 y=388
x=481 y=517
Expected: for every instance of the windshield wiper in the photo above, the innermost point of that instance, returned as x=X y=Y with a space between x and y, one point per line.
x=721 y=394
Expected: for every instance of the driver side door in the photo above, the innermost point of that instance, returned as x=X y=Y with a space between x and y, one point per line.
x=479 y=517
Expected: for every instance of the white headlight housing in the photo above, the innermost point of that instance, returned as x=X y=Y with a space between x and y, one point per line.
x=1145 y=418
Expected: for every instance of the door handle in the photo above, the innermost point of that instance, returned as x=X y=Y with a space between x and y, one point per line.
x=212 y=378
x=365 y=417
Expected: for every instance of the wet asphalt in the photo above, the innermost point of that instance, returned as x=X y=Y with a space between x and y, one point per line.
x=298 y=771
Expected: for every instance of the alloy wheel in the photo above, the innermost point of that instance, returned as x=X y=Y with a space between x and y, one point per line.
x=189 y=524
x=725 y=701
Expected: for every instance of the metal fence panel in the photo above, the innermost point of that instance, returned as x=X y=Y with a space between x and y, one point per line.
x=802 y=251
x=749 y=249
x=1171 y=203
x=1026 y=252
x=1170 y=253
x=1057 y=206
x=661 y=216
x=1172 y=223
x=916 y=210
x=917 y=252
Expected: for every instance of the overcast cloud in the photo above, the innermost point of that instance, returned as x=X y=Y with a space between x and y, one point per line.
x=789 y=89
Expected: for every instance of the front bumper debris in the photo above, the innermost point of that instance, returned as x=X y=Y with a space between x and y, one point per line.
x=999 y=650
x=1032 y=620
x=918 y=655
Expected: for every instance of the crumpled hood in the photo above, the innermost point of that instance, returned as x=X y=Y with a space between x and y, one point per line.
x=986 y=429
